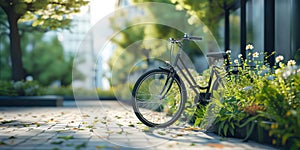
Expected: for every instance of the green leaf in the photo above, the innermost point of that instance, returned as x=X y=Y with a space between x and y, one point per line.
x=285 y=137
x=161 y=133
x=225 y=130
x=131 y=125
x=57 y=142
x=216 y=95
x=82 y=145
x=231 y=130
x=249 y=132
x=66 y=137
x=248 y=121
x=197 y=121
x=221 y=127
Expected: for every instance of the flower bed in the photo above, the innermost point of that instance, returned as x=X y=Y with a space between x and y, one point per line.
x=259 y=94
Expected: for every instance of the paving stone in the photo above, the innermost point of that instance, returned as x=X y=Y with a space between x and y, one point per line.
x=99 y=125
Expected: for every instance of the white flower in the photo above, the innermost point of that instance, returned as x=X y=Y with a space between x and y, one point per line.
x=287 y=73
x=277 y=71
x=279 y=58
x=256 y=54
x=228 y=51
x=249 y=46
x=236 y=61
x=291 y=63
x=240 y=55
x=298 y=71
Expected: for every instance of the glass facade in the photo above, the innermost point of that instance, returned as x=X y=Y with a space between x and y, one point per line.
x=235 y=31
x=282 y=27
x=254 y=24
x=270 y=25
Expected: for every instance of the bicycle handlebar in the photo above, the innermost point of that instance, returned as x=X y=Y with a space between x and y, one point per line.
x=195 y=38
x=185 y=37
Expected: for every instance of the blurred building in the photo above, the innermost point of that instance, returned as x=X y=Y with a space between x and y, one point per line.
x=72 y=40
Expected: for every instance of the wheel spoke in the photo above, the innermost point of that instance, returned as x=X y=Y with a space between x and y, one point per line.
x=148 y=104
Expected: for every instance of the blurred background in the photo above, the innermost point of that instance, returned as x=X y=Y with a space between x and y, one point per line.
x=39 y=39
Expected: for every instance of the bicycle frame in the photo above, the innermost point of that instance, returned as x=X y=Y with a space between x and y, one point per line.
x=169 y=107
x=188 y=76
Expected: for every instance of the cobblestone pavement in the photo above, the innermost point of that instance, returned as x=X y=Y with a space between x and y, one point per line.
x=99 y=125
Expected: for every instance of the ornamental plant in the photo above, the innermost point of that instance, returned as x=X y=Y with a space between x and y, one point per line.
x=19 y=88
x=259 y=95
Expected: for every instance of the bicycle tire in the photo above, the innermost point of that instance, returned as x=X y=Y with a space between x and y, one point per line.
x=166 y=111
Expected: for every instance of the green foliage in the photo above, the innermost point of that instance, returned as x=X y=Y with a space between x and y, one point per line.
x=260 y=94
x=135 y=43
x=68 y=91
x=44 y=14
x=19 y=88
x=45 y=60
x=25 y=15
x=210 y=12
x=5 y=69
x=61 y=91
x=105 y=93
x=33 y=88
x=256 y=95
x=7 y=89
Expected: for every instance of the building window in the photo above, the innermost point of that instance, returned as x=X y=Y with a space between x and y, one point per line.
x=283 y=28
x=255 y=24
x=235 y=31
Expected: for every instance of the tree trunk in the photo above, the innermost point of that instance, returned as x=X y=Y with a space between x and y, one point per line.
x=15 y=46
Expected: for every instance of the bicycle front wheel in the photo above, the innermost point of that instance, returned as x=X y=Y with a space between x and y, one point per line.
x=151 y=105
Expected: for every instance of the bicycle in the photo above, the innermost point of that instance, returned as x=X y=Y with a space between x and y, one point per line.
x=154 y=94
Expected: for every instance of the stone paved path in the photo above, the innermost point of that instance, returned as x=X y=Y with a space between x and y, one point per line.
x=99 y=125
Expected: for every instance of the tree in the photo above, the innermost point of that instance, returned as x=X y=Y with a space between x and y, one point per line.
x=133 y=41
x=43 y=57
x=53 y=64
x=42 y=15
x=127 y=35
x=209 y=11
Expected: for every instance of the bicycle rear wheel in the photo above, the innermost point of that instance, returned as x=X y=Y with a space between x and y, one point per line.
x=150 y=106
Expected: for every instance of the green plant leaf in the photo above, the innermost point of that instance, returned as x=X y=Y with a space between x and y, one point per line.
x=285 y=137
x=221 y=125
x=225 y=130
x=66 y=137
x=249 y=132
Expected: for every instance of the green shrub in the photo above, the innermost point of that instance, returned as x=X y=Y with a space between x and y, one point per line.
x=61 y=91
x=33 y=88
x=258 y=94
x=105 y=93
x=19 y=88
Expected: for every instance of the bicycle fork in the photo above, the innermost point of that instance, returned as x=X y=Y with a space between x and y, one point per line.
x=168 y=83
